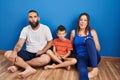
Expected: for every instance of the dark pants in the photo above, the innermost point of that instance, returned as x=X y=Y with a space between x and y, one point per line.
x=25 y=55
x=91 y=59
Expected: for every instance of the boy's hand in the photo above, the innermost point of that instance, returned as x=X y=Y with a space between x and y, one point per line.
x=63 y=57
x=60 y=57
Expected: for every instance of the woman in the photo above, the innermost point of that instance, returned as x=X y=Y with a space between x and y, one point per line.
x=86 y=44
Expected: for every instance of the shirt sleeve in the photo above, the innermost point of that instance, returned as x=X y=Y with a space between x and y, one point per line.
x=48 y=34
x=23 y=33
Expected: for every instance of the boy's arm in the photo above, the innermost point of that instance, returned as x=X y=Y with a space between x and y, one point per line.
x=56 y=54
x=68 y=54
x=17 y=48
x=54 y=50
x=69 y=48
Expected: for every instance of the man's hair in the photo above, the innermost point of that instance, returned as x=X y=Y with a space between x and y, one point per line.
x=61 y=28
x=33 y=11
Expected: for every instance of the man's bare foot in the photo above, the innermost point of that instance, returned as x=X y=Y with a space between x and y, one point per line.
x=26 y=73
x=68 y=67
x=12 y=69
x=93 y=73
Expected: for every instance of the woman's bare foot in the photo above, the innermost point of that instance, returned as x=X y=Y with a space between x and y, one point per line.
x=12 y=69
x=26 y=73
x=93 y=73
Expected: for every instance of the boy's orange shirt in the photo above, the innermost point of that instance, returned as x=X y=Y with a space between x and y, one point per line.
x=62 y=46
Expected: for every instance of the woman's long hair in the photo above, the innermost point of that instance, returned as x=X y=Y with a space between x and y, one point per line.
x=88 y=28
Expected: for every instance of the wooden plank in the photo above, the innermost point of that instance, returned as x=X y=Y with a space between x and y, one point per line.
x=109 y=69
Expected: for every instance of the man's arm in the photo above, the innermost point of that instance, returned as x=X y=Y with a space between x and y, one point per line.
x=17 y=48
x=19 y=45
x=49 y=44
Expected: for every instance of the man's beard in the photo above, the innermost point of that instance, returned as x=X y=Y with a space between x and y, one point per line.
x=34 y=25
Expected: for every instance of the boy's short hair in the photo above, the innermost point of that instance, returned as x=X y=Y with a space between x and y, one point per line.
x=61 y=28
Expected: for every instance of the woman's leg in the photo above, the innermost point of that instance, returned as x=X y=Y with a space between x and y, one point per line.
x=82 y=68
x=94 y=57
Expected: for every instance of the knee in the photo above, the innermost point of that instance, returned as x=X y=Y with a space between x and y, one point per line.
x=8 y=54
x=89 y=41
x=73 y=61
x=49 y=52
x=45 y=59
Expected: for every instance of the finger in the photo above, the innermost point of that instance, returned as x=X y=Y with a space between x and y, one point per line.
x=14 y=60
x=37 y=54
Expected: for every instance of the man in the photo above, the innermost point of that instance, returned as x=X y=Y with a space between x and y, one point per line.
x=38 y=40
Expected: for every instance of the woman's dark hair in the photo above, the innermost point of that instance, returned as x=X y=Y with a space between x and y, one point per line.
x=88 y=28
x=61 y=28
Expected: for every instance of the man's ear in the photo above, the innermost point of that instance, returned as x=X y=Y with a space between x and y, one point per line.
x=38 y=18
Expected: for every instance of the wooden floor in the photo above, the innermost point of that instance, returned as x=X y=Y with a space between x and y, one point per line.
x=109 y=69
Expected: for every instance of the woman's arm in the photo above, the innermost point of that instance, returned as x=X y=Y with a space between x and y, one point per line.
x=95 y=38
x=72 y=35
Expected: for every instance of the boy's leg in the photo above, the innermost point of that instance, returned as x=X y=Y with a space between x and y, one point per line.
x=94 y=57
x=67 y=62
x=53 y=56
x=72 y=61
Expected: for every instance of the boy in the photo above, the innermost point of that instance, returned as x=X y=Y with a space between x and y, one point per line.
x=61 y=50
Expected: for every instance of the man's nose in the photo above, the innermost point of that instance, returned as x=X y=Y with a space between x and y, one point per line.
x=33 y=19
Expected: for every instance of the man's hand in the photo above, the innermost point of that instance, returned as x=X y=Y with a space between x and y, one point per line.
x=40 y=52
x=13 y=56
